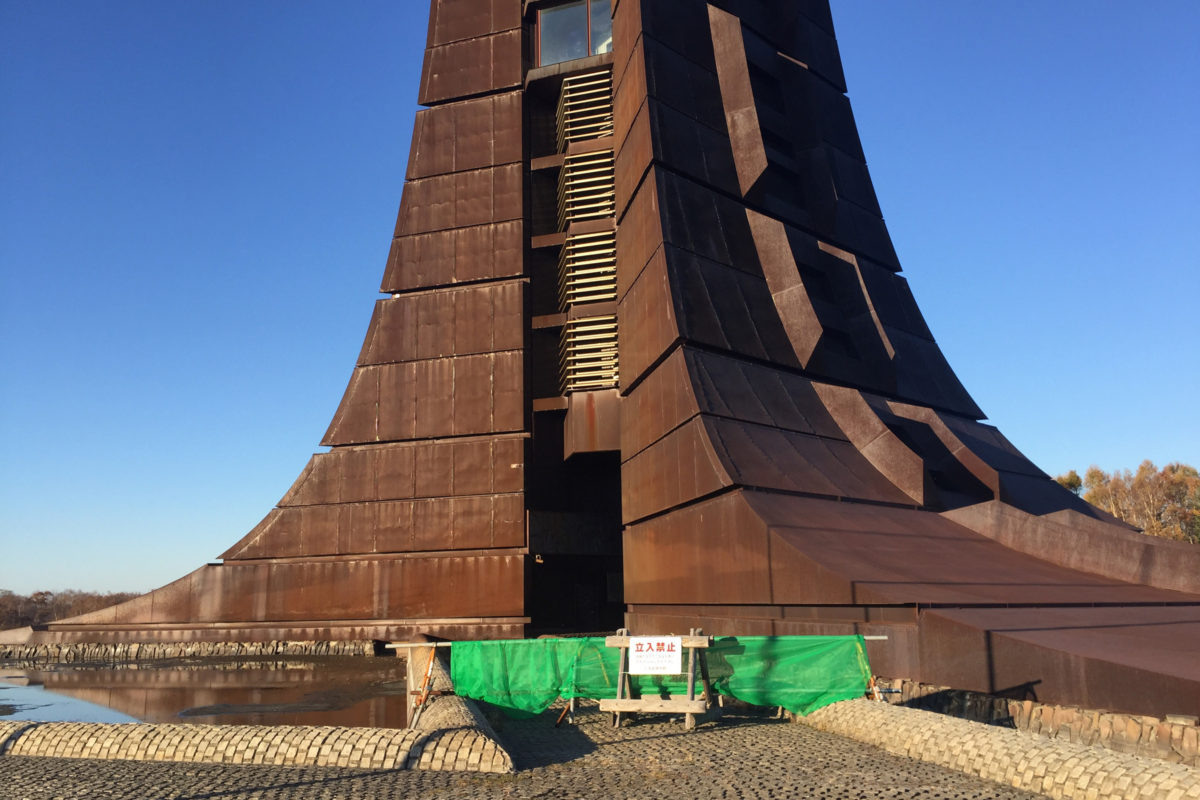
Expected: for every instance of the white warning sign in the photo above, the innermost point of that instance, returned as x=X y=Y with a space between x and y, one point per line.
x=655 y=655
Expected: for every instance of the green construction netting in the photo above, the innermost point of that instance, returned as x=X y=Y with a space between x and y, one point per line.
x=800 y=673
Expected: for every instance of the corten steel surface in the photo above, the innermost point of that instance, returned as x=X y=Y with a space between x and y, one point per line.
x=797 y=456
x=415 y=520
x=787 y=450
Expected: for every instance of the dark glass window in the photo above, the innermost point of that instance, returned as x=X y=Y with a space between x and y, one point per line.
x=563 y=32
x=601 y=21
x=574 y=30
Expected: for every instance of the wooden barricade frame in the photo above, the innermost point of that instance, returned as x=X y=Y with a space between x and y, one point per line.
x=696 y=643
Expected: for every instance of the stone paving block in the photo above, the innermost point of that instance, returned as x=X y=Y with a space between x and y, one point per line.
x=314 y=745
x=274 y=749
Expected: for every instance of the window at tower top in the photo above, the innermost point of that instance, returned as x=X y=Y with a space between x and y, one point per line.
x=575 y=29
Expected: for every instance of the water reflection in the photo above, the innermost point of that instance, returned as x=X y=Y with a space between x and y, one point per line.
x=347 y=691
x=34 y=704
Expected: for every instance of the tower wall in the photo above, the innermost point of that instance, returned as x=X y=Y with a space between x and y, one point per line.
x=414 y=520
x=646 y=354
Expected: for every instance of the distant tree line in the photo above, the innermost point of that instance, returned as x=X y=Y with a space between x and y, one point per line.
x=1162 y=502
x=18 y=610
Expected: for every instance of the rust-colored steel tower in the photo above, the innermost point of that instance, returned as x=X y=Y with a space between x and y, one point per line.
x=645 y=356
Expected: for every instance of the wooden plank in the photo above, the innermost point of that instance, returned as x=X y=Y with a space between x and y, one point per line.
x=655 y=705
x=688 y=641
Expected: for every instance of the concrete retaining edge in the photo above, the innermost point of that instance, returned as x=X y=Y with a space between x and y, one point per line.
x=1054 y=768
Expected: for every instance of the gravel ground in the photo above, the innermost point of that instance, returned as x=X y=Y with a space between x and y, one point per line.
x=742 y=756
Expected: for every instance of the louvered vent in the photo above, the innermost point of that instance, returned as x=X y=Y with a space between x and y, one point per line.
x=587 y=263
x=586 y=188
x=585 y=109
x=588 y=353
x=587 y=269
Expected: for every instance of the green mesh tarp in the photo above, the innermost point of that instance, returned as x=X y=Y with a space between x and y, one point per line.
x=800 y=673
x=526 y=675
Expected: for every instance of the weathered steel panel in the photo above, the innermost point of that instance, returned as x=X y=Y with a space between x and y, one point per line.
x=647 y=326
x=471 y=67
x=470 y=524
x=868 y=429
x=593 y=422
x=737 y=96
x=355 y=418
x=489 y=252
x=455 y=256
x=474 y=133
x=662 y=402
x=1123 y=659
x=434 y=467
x=629 y=91
x=427 y=155
x=467 y=404
x=639 y=234
x=752 y=392
x=507 y=329
x=319 y=479
x=471 y=467
x=389 y=471
x=508 y=395
x=431 y=524
x=683 y=80
x=508 y=520
x=437 y=392
x=395 y=470
x=452 y=20
x=712 y=552
x=676 y=469
x=456 y=587
x=884 y=553
x=633 y=157
x=460 y=200
x=394 y=403
x=357 y=478
x=690 y=147
x=420 y=260
x=395 y=528
x=797 y=462
x=471 y=322
x=728 y=309
x=426 y=399
x=893 y=299
x=508 y=459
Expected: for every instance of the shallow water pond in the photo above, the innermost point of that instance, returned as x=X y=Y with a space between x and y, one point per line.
x=348 y=691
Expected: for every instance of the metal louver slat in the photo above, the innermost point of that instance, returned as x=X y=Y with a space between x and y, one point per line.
x=587 y=269
x=588 y=354
x=585 y=108
x=586 y=187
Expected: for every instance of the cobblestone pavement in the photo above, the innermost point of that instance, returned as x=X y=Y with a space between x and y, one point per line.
x=741 y=757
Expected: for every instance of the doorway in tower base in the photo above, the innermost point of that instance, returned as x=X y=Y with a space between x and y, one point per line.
x=574 y=574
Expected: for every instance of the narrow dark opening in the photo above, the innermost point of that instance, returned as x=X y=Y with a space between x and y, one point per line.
x=574 y=574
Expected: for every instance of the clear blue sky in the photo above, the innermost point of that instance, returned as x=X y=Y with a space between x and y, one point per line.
x=196 y=202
